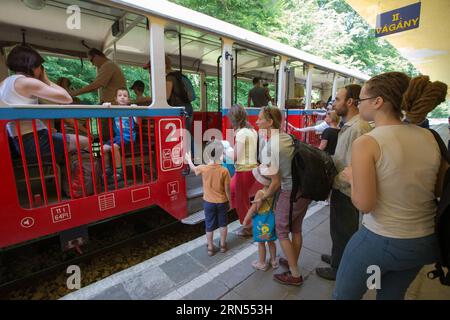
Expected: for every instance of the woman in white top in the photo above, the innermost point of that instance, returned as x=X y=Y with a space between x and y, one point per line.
x=243 y=184
x=396 y=175
x=26 y=86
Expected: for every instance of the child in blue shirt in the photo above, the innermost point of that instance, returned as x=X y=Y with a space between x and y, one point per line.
x=122 y=99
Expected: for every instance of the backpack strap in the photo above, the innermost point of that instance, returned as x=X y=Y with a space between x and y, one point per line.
x=444 y=152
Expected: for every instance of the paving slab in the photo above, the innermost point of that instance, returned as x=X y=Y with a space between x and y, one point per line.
x=213 y=290
x=182 y=268
x=314 y=288
x=148 y=284
x=232 y=295
x=117 y=292
x=239 y=273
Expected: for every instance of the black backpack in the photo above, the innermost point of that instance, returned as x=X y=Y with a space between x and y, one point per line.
x=183 y=93
x=442 y=225
x=313 y=173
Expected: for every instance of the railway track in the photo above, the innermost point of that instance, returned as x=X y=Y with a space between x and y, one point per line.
x=143 y=235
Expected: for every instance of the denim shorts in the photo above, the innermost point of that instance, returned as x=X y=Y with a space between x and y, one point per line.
x=44 y=145
x=216 y=215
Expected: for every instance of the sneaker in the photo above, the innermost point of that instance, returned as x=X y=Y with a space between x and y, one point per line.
x=327 y=273
x=260 y=266
x=326 y=258
x=287 y=278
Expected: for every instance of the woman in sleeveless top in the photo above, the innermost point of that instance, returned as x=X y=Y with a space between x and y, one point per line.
x=243 y=184
x=396 y=175
x=26 y=86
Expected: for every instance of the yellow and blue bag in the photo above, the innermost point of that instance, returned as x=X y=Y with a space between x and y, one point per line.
x=264 y=226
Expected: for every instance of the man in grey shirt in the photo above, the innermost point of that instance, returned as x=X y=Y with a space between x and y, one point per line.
x=258 y=95
x=344 y=216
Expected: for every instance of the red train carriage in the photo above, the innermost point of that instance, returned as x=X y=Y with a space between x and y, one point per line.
x=31 y=194
x=38 y=197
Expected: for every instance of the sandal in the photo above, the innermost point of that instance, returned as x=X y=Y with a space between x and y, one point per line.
x=223 y=248
x=274 y=263
x=259 y=266
x=244 y=232
x=211 y=251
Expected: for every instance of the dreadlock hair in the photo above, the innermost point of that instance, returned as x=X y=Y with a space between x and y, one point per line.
x=417 y=97
x=390 y=86
x=421 y=97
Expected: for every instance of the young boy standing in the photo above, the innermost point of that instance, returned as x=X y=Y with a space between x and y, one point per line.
x=122 y=137
x=216 y=193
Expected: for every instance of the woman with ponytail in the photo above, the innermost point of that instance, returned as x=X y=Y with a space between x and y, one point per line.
x=395 y=176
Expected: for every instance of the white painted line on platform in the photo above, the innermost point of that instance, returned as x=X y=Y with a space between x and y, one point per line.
x=123 y=276
x=208 y=276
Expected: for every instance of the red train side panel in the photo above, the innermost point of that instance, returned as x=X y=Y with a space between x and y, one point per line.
x=21 y=223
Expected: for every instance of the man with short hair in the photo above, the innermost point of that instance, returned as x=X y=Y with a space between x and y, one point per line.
x=258 y=95
x=344 y=216
x=138 y=88
x=109 y=77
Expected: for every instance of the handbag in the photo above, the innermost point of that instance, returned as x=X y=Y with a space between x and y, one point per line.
x=264 y=226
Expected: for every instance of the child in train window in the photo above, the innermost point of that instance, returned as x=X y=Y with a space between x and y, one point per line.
x=119 y=140
x=216 y=193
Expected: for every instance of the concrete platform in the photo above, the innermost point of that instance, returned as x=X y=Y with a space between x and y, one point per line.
x=187 y=272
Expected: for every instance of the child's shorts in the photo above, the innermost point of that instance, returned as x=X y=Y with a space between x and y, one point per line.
x=216 y=215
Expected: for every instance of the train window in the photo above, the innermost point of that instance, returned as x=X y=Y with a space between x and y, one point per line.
x=195 y=80
x=80 y=75
x=213 y=95
x=133 y=73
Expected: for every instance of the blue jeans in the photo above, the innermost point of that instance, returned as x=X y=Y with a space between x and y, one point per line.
x=44 y=146
x=399 y=260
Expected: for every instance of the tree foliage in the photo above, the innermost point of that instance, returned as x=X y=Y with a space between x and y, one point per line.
x=327 y=28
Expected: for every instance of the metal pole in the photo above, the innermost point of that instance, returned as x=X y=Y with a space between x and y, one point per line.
x=235 y=75
x=276 y=81
x=218 y=84
x=179 y=52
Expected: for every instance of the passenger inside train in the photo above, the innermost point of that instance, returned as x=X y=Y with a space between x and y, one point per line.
x=124 y=133
x=28 y=84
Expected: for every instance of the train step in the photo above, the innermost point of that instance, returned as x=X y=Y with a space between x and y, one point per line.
x=195 y=218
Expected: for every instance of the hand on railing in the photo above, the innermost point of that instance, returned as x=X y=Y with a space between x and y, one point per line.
x=106 y=104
